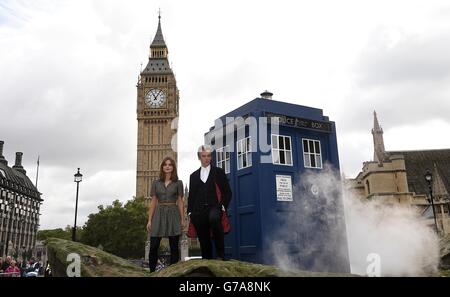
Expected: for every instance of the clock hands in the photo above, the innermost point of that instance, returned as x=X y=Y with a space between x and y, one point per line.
x=155 y=97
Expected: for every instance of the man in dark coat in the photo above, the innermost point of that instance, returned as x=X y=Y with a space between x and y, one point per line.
x=204 y=209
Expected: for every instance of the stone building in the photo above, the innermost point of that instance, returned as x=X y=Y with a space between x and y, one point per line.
x=20 y=202
x=397 y=177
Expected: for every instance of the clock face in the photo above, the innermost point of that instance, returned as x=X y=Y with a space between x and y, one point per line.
x=155 y=98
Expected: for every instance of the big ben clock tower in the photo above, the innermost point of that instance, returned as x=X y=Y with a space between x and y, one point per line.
x=157 y=115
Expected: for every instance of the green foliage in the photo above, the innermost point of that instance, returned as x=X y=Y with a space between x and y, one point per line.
x=94 y=262
x=233 y=268
x=118 y=228
x=56 y=233
x=65 y=233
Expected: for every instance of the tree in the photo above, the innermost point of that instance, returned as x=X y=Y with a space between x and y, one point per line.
x=65 y=233
x=120 y=229
x=57 y=233
x=79 y=233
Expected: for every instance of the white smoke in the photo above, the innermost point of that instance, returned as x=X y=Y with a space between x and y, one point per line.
x=395 y=234
x=315 y=221
x=405 y=245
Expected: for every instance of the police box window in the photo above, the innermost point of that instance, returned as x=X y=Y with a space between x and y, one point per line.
x=281 y=150
x=312 y=154
x=244 y=153
x=223 y=158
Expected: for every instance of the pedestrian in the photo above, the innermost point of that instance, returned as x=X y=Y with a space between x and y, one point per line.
x=13 y=269
x=6 y=263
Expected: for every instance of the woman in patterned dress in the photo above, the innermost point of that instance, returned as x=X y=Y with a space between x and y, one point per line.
x=166 y=212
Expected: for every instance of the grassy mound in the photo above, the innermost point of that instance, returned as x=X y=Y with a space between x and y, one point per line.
x=233 y=268
x=94 y=262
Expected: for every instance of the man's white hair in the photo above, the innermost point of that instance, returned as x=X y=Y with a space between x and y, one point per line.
x=204 y=148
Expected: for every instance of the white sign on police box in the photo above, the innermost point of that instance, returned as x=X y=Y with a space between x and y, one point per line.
x=284 y=188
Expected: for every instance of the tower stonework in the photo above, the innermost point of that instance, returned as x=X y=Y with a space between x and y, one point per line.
x=157 y=115
x=378 y=141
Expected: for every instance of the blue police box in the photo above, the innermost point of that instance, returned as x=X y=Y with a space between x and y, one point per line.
x=282 y=163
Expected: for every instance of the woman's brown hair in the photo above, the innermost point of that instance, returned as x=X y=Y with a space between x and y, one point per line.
x=173 y=175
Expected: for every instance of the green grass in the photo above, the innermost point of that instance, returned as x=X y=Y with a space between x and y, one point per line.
x=233 y=268
x=94 y=262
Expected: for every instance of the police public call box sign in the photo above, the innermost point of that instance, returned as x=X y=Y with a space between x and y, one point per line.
x=299 y=122
x=284 y=187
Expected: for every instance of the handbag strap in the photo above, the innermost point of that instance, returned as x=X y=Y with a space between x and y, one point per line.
x=218 y=192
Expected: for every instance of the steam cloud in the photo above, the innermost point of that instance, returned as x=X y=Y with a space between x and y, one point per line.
x=404 y=244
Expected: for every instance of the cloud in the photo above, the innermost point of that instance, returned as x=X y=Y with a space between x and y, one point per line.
x=354 y=148
x=417 y=58
x=63 y=97
x=69 y=69
x=97 y=188
x=66 y=94
x=405 y=77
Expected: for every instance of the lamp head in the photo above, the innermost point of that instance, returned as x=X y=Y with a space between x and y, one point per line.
x=78 y=176
x=428 y=176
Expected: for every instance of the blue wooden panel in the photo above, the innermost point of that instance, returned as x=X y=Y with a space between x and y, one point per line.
x=246 y=189
x=247 y=249
x=250 y=257
x=249 y=229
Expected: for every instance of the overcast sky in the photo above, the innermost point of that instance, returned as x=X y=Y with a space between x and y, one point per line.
x=68 y=73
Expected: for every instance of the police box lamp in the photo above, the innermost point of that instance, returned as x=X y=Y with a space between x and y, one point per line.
x=428 y=176
x=78 y=176
x=266 y=95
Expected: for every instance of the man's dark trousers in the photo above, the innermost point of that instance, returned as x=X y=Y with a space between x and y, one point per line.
x=206 y=221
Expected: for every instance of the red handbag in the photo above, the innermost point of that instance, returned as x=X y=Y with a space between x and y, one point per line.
x=192 y=233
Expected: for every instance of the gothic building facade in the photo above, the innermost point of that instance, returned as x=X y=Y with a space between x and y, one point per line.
x=397 y=177
x=20 y=202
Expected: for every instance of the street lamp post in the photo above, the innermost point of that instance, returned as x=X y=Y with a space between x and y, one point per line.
x=429 y=179
x=77 y=178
